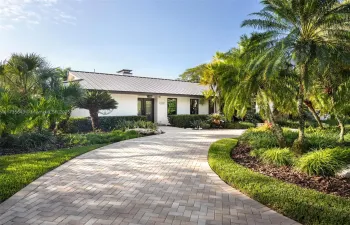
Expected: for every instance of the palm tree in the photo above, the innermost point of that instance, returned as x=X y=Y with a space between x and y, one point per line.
x=295 y=30
x=332 y=87
x=193 y=74
x=63 y=72
x=94 y=101
x=241 y=84
x=27 y=74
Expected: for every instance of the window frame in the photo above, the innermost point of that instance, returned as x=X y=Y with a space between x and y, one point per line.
x=167 y=106
x=197 y=107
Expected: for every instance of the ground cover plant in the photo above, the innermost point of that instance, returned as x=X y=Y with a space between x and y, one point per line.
x=304 y=205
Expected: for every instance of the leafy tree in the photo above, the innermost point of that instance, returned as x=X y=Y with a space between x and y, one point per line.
x=193 y=74
x=11 y=116
x=331 y=89
x=295 y=30
x=27 y=74
x=241 y=84
x=94 y=101
x=63 y=72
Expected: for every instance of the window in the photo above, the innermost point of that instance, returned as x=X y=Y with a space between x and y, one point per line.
x=211 y=106
x=194 y=106
x=172 y=106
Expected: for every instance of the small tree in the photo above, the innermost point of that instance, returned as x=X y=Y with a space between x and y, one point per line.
x=94 y=101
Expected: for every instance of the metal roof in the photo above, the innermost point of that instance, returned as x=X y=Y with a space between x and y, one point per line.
x=135 y=84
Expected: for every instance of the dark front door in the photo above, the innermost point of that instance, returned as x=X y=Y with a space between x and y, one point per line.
x=145 y=107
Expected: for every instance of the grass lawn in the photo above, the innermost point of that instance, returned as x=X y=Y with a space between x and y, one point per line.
x=17 y=171
x=301 y=204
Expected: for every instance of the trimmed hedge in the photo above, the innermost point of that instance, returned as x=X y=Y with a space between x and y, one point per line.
x=107 y=123
x=301 y=204
x=186 y=121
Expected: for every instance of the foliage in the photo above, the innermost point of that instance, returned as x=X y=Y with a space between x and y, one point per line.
x=258 y=138
x=193 y=74
x=185 y=121
x=301 y=204
x=238 y=125
x=95 y=101
x=20 y=170
x=324 y=162
x=99 y=138
x=107 y=123
x=278 y=157
x=196 y=124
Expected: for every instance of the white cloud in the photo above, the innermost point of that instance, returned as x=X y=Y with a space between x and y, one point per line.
x=32 y=12
x=6 y=27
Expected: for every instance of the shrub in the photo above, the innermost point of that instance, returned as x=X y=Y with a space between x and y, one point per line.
x=196 y=124
x=107 y=123
x=278 y=157
x=27 y=141
x=259 y=138
x=99 y=138
x=185 y=121
x=319 y=139
x=239 y=125
x=257 y=152
x=323 y=162
x=301 y=204
x=205 y=125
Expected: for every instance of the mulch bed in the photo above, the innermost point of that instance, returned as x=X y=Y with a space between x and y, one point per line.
x=329 y=185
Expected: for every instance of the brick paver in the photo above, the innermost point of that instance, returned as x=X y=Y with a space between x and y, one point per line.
x=156 y=180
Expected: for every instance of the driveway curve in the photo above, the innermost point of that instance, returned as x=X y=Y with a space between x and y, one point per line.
x=155 y=180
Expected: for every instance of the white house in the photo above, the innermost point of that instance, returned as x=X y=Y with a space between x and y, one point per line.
x=155 y=98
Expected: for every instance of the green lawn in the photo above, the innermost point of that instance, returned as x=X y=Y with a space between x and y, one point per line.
x=301 y=204
x=17 y=171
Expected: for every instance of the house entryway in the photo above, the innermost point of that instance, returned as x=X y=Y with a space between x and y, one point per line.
x=145 y=107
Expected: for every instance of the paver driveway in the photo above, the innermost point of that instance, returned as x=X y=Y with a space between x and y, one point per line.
x=163 y=179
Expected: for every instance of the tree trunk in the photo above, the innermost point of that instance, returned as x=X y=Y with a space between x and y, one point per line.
x=276 y=129
x=313 y=112
x=299 y=144
x=342 y=129
x=94 y=119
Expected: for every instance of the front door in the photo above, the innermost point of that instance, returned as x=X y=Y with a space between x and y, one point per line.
x=145 y=107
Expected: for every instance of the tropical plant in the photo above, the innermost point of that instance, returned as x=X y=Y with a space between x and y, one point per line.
x=295 y=31
x=27 y=74
x=94 y=101
x=63 y=72
x=193 y=74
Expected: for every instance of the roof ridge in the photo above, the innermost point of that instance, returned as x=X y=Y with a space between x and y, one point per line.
x=122 y=75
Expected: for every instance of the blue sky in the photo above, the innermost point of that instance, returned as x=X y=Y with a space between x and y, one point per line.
x=159 y=38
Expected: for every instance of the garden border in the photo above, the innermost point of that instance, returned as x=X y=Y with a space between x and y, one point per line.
x=301 y=204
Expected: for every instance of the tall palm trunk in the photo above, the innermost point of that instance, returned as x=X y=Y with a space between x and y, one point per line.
x=299 y=144
x=342 y=129
x=311 y=108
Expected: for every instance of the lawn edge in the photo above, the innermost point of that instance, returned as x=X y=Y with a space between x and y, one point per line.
x=300 y=204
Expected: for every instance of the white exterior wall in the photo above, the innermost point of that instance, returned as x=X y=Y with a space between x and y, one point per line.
x=127 y=106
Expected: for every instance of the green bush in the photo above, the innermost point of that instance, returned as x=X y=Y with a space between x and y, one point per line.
x=319 y=139
x=324 y=162
x=258 y=138
x=185 y=121
x=239 y=125
x=99 y=138
x=107 y=123
x=301 y=204
x=27 y=141
x=278 y=157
